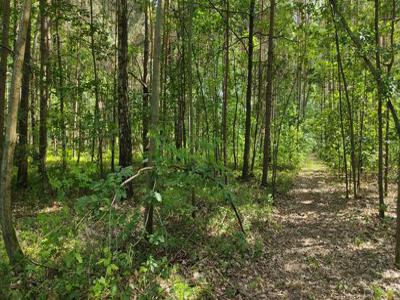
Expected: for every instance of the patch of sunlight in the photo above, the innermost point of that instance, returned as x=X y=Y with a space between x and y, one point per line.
x=56 y=207
x=312 y=163
x=195 y=286
x=293 y=266
x=307 y=202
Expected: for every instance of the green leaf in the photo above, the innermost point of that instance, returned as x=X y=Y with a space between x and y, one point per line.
x=78 y=257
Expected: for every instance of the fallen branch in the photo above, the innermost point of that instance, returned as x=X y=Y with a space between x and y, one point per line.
x=129 y=180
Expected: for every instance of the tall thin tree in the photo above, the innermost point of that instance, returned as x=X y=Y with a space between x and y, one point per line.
x=268 y=95
x=246 y=153
x=11 y=243
x=155 y=106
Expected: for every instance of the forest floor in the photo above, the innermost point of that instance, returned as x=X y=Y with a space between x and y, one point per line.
x=311 y=244
x=321 y=246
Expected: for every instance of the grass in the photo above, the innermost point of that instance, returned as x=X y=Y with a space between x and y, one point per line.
x=86 y=252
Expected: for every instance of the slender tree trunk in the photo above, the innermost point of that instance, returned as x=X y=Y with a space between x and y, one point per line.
x=61 y=88
x=259 y=104
x=385 y=177
x=342 y=131
x=234 y=144
x=125 y=139
x=389 y=69
x=33 y=97
x=145 y=104
x=380 y=117
x=397 y=250
x=189 y=68
x=268 y=94
x=350 y=114
x=361 y=136
x=98 y=102
x=76 y=100
x=44 y=88
x=22 y=177
x=225 y=90
x=155 y=100
x=11 y=243
x=5 y=10
x=114 y=102
x=246 y=153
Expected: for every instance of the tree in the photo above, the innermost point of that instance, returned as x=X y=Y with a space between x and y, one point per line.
x=98 y=103
x=145 y=88
x=155 y=106
x=342 y=76
x=246 y=153
x=60 y=86
x=22 y=177
x=225 y=88
x=380 y=116
x=5 y=9
x=44 y=89
x=125 y=139
x=11 y=243
x=268 y=95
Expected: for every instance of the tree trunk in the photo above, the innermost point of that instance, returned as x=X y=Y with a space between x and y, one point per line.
x=11 y=243
x=98 y=103
x=350 y=115
x=225 y=90
x=5 y=8
x=246 y=153
x=397 y=250
x=268 y=98
x=342 y=132
x=61 y=88
x=386 y=173
x=155 y=100
x=380 y=117
x=44 y=89
x=234 y=144
x=145 y=104
x=22 y=177
x=189 y=67
x=125 y=139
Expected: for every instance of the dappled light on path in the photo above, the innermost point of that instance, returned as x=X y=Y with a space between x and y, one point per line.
x=323 y=246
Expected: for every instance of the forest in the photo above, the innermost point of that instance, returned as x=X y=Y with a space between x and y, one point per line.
x=200 y=149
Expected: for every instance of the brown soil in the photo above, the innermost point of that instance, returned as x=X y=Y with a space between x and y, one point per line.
x=321 y=246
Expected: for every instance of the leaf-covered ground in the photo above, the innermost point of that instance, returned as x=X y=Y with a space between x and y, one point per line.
x=312 y=244
x=319 y=246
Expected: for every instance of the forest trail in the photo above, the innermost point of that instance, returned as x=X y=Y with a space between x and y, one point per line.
x=321 y=246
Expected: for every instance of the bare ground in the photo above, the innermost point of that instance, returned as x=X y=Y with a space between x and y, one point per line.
x=319 y=246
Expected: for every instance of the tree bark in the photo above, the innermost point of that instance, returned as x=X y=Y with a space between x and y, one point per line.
x=3 y=65
x=98 y=103
x=246 y=153
x=125 y=139
x=380 y=117
x=11 y=243
x=189 y=67
x=268 y=98
x=155 y=100
x=61 y=88
x=225 y=90
x=22 y=177
x=397 y=250
x=350 y=116
x=145 y=88
x=44 y=89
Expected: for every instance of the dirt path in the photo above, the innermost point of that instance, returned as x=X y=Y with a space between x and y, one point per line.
x=323 y=247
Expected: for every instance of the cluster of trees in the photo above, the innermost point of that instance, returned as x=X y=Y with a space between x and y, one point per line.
x=241 y=83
